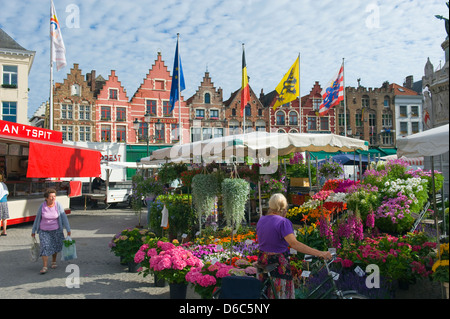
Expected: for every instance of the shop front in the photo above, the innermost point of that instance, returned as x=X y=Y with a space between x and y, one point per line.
x=33 y=159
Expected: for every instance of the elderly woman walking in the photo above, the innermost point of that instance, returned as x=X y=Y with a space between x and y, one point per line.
x=49 y=223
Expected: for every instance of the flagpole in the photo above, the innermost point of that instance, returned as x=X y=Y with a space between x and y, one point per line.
x=345 y=102
x=179 y=93
x=299 y=98
x=51 y=73
x=243 y=88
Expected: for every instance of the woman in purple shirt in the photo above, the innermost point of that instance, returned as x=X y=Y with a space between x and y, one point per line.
x=49 y=223
x=275 y=236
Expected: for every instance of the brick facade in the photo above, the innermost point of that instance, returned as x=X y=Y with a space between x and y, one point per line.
x=153 y=96
x=206 y=111
x=74 y=107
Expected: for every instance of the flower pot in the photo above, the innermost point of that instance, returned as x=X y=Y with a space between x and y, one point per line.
x=123 y=263
x=159 y=282
x=299 y=181
x=178 y=291
x=133 y=267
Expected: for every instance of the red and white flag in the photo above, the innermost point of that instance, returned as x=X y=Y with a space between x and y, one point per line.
x=333 y=93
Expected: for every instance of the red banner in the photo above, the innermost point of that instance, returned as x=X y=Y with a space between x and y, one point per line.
x=30 y=132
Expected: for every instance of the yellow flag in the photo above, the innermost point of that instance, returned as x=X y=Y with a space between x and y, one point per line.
x=289 y=87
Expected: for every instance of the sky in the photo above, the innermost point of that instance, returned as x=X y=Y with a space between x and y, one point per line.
x=378 y=40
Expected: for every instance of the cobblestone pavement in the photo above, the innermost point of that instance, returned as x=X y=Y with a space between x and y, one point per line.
x=101 y=275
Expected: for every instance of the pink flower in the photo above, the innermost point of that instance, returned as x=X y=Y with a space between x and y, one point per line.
x=139 y=257
x=152 y=252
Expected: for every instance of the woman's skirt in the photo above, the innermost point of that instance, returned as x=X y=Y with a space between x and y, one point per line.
x=51 y=241
x=281 y=276
x=4 y=212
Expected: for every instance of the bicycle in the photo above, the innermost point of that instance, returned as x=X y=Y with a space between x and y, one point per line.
x=333 y=292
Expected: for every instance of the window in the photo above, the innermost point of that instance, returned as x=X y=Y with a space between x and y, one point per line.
x=174 y=133
x=199 y=113
x=105 y=113
x=403 y=127
x=386 y=120
x=112 y=94
x=414 y=127
x=365 y=101
x=341 y=119
x=207 y=98
x=121 y=133
x=260 y=112
x=66 y=111
x=160 y=137
x=207 y=133
x=260 y=125
x=372 y=119
x=324 y=125
x=75 y=90
x=85 y=133
x=106 y=133
x=121 y=114
x=316 y=104
x=9 y=110
x=10 y=75
x=386 y=101
x=233 y=127
x=151 y=107
x=414 y=111
x=143 y=131
x=67 y=133
x=358 y=121
x=214 y=114
x=218 y=132
x=403 y=111
x=387 y=138
x=196 y=134
x=280 y=118
x=312 y=123
x=248 y=110
x=85 y=112
x=167 y=108
x=293 y=118
x=233 y=112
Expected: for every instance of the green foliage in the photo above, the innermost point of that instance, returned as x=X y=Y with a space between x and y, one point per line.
x=235 y=192
x=205 y=188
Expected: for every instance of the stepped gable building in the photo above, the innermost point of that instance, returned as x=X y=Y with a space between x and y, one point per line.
x=113 y=112
x=256 y=114
x=153 y=97
x=286 y=118
x=15 y=65
x=206 y=111
x=74 y=107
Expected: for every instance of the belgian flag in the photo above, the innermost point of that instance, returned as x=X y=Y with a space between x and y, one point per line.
x=245 y=90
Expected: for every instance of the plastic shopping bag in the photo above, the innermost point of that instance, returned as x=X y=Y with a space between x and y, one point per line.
x=35 y=249
x=69 y=250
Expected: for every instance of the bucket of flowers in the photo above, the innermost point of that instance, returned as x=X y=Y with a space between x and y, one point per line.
x=440 y=268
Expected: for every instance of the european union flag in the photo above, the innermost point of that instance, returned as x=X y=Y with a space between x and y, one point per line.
x=177 y=80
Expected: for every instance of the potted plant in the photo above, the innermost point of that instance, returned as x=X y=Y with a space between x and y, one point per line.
x=204 y=191
x=331 y=169
x=126 y=243
x=171 y=263
x=440 y=268
x=298 y=171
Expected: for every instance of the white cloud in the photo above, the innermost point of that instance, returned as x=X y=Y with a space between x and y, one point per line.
x=125 y=36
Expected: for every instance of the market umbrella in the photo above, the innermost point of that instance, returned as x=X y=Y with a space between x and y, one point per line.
x=349 y=159
x=431 y=142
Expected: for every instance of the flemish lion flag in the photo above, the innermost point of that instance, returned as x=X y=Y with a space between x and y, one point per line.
x=58 y=48
x=289 y=87
x=245 y=90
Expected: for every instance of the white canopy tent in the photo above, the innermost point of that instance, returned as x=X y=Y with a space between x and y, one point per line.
x=257 y=145
x=432 y=142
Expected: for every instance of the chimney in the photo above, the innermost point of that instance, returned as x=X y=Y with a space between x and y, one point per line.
x=409 y=82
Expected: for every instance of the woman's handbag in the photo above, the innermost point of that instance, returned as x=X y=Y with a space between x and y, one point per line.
x=69 y=250
x=35 y=249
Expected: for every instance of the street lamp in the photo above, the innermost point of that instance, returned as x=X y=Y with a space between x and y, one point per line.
x=147 y=119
